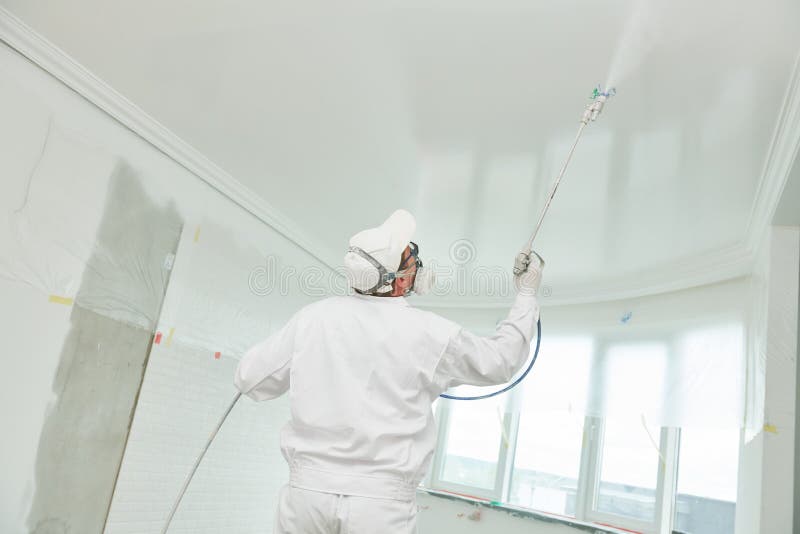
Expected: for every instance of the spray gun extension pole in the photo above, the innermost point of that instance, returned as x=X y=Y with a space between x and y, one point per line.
x=591 y=113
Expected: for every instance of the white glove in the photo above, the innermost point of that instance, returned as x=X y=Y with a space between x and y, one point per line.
x=529 y=279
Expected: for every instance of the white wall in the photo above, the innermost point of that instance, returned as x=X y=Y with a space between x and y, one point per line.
x=778 y=487
x=185 y=387
x=765 y=499
x=796 y=519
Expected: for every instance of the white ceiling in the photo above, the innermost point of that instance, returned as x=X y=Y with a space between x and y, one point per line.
x=462 y=111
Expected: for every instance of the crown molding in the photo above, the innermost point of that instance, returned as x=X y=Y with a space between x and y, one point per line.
x=716 y=266
x=63 y=67
x=781 y=154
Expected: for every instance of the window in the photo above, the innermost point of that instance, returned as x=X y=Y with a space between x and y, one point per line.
x=547 y=458
x=532 y=448
x=473 y=444
x=629 y=464
x=547 y=462
x=707 y=477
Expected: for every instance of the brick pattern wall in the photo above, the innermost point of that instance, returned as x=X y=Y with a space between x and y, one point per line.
x=235 y=489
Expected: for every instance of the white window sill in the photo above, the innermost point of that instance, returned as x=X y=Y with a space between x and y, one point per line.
x=526 y=513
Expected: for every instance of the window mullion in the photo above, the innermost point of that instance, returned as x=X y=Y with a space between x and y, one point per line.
x=669 y=445
x=667 y=480
x=505 y=469
x=587 y=477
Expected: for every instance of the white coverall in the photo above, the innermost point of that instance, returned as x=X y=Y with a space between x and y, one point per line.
x=362 y=373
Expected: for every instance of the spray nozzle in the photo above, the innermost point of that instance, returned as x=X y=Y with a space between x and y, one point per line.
x=597 y=92
x=598 y=98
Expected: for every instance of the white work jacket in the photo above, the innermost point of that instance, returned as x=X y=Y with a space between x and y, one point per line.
x=362 y=373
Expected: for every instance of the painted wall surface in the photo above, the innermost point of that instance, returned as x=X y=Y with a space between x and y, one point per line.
x=788 y=213
x=92 y=213
x=796 y=520
x=779 y=434
x=765 y=498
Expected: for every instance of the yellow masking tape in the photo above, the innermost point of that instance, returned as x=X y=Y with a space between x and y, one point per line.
x=168 y=342
x=772 y=429
x=56 y=299
x=197 y=234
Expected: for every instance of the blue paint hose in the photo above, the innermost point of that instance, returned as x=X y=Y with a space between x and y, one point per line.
x=515 y=382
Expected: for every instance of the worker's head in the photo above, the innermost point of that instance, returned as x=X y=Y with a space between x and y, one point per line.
x=384 y=261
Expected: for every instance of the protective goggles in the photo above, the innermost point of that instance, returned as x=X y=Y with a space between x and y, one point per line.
x=413 y=256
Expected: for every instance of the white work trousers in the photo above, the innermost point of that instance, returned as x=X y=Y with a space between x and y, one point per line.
x=302 y=511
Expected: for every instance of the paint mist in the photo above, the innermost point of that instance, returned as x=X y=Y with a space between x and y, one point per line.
x=641 y=33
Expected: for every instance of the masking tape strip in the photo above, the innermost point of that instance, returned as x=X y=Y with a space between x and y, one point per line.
x=57 y=299
x=772 y=429
x=168 y=342
x=197 y=234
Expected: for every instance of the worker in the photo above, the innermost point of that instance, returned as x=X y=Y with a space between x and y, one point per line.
x=362 y=372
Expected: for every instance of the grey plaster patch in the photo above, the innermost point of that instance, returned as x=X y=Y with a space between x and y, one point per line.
x=102 y=361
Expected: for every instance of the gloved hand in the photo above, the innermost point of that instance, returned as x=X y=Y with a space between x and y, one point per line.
x=528 y=272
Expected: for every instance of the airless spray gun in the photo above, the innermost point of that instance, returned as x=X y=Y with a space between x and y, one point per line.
x=592 y=111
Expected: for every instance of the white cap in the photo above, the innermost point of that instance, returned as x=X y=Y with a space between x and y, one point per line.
x=385 y=243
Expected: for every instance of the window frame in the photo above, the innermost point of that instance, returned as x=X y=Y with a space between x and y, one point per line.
x=666 y=484
x=588 y=477
x=589 y=471
x=504 y=461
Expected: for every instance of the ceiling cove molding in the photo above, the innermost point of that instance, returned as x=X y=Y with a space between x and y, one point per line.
x=60 y=65
x=783 y=150
x=718 y=266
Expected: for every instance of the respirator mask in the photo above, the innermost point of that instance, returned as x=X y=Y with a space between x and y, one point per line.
x=424 y=278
